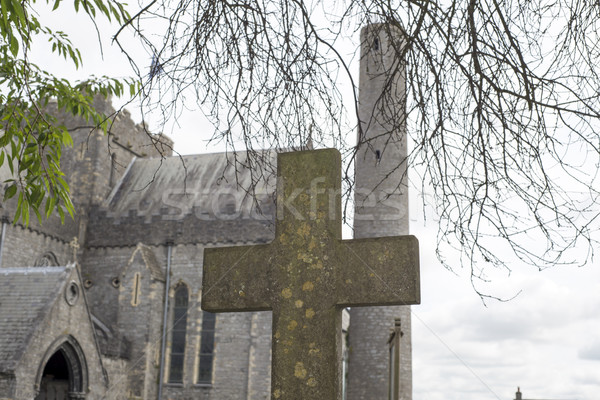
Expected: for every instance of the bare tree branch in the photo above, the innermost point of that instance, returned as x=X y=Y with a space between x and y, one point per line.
x=503 y=104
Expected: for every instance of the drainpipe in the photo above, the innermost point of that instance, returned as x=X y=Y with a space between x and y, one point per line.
x=2 y=236
x=164 y=329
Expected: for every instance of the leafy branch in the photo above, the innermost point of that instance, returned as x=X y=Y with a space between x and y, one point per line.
x=31 y=139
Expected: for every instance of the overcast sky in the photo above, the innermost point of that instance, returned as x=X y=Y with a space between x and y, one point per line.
x=546 y=340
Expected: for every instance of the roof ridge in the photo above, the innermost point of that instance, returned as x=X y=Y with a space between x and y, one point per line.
x=26 y=270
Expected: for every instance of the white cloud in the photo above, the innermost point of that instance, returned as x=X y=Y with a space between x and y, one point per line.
x=590 y=351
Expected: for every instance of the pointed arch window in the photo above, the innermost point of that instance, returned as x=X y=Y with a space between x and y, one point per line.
x=178 y=335
x=48 y=259
x=207 y=348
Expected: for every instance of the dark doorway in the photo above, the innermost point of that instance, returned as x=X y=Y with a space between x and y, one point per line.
x=63 y=376
x=55 y=379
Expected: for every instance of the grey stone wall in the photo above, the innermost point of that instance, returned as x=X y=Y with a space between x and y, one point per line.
x=23 y=246
x=101 y=269
x=259 y=358
x=116 y=369
x=7 y=386
x=139 y=320
x=243 y=340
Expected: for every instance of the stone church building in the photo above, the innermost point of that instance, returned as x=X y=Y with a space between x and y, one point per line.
x=107 y=305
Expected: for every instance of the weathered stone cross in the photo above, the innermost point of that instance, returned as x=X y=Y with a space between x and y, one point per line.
x=308 y=274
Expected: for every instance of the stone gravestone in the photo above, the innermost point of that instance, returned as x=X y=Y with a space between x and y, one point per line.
x=308 y=274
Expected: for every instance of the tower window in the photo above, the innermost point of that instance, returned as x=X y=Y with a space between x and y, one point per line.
x=378 y=156
x=178 y=335
x=207 y=348
x=376 y=44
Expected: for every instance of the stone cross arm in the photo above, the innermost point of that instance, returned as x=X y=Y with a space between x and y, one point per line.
x=381 y=271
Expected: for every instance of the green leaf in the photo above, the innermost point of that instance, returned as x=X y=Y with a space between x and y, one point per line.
x=69 y=206
x=10 y=165
x=25 y=212
x=62 y=182
x=36 y=196
x=31 y=141
x=5 y=139
x=24 y=164
x=10 y=191
x=31 y=148
x=18 y=9
x=67 y=140
x=14 y=46
x=61 y=213
x=50 y=203
x=4 y=9
x=18 y=212
x=37 y=214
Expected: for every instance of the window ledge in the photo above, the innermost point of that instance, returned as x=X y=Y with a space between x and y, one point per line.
x=203 y=385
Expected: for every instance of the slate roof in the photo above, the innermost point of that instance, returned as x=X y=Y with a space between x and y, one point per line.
x=26 y=296
x=189 y=199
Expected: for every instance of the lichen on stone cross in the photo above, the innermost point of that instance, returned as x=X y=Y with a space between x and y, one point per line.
x=308 y=274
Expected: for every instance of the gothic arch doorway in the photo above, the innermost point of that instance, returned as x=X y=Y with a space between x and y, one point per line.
x=62 y=374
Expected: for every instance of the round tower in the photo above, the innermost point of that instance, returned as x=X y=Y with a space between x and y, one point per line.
x=381 y=208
